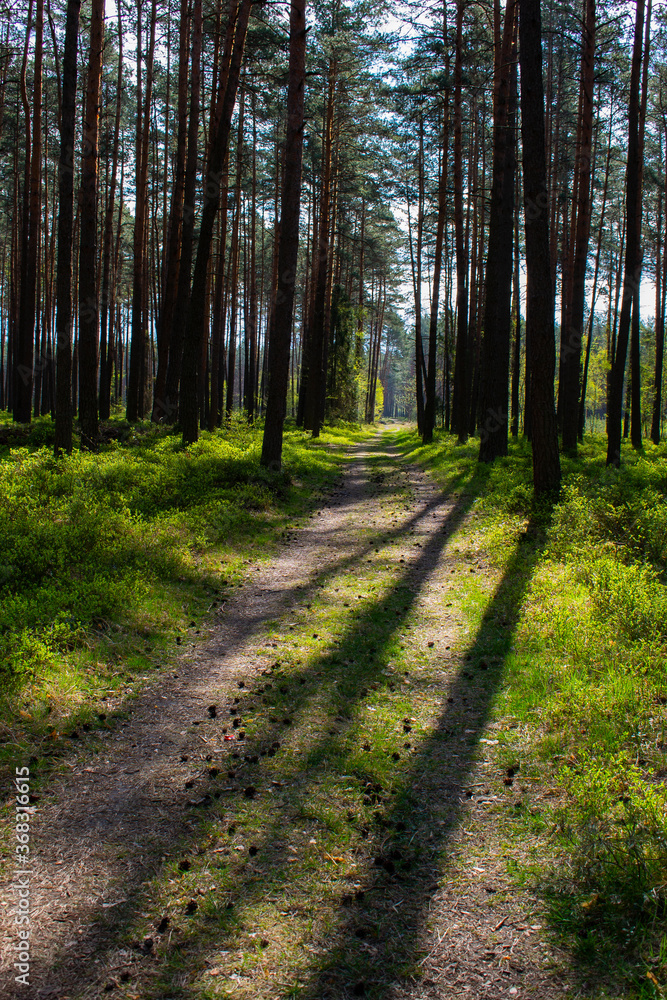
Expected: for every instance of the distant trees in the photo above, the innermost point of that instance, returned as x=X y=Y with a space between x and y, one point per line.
x=162 y=223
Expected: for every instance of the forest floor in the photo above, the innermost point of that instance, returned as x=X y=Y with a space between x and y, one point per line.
x=317 y=799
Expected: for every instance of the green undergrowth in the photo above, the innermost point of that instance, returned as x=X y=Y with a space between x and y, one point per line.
x=585 y=686
x=296 y=857
x=110 y=561
x=318 y=818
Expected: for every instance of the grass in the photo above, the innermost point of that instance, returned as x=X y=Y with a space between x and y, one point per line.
x=111 y=561
x=352 y=836
x=314 y=844
x=585 y=689
x=318 y=883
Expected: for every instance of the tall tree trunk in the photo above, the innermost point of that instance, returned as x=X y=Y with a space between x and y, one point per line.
x=251 y=387
x=24 y=350
x=632 y=269
x=316 y=363
x=181 y=302
x=219 y=312
x=63 y=430
x=235 y=254
x=230 y=72
x=498 y=306
x=164 y=408
x=571 y=343
x=279 y=347
x=135 y=387
x=88 y=298
x=516 y=358
x=106 y=298
x=591 y=318
x=540 y=297
x=429 y=410
x=635 y=352
x=460 y=407
x=660 y=284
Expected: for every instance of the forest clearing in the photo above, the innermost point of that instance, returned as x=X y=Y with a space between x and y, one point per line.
x=381 y=726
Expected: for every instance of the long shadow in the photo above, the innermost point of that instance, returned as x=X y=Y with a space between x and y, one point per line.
x=327 y=684
x=417 y=825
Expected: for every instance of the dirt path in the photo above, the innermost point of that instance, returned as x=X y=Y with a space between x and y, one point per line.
x=371 y=581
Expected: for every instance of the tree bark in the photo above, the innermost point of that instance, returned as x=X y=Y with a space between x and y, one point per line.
x=279 y=348
x=230 y=73
x=660 y=284
x=106 y=296
x=498 y=306
x=632 y=268
x=182 y=299
x=163 y=407
x=135 y=393
x=63 y=429
x=429 y=410
x=460 y=404
x=573 y=335
x=88 y=299
x=24 y=349
x=540 y=298
x=316 y=387
x=635 y=351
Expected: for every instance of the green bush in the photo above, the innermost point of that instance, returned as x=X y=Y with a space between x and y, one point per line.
x=615 y=827
x=631 y=596
x=93 y=539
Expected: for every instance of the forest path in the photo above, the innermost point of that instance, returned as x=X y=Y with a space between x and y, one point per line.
x=332 y=827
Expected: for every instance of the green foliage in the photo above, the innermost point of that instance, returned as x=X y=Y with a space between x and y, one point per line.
x=342 y=398
x=584 y=679
x=104 y=553
x=631 y=597
x=615 y=827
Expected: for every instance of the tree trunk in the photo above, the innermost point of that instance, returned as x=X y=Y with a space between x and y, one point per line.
x=251 y=386
x=429 y=410
x=106 y=297
x=498 y=306
x=279 y=347
x=88 y=301
x=163 y=407
x=182 y=300
x=63 y=435
x=540 y=298
x=516 y=358
x=135 y=394
x=316 y=364
x=230 y=72
x=573 y=335
x=632 y=269
x=235 y=253
x=591 y=318
x=460 y=406
x=635 y=352
x=24 y=349
x=660 y=284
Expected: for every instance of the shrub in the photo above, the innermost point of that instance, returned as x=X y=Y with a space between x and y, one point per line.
x=615 y=827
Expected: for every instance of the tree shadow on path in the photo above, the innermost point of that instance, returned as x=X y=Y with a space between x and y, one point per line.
x=404 y=827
